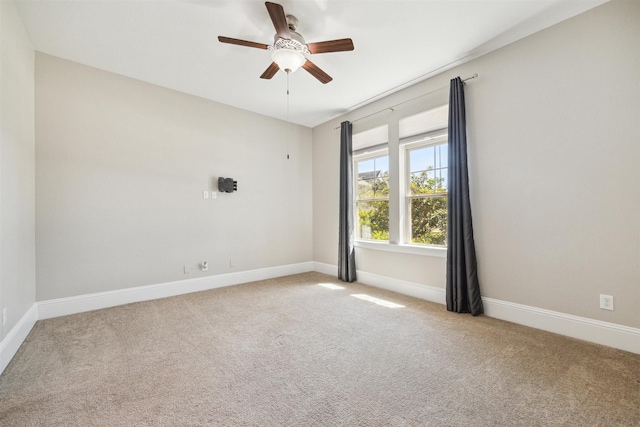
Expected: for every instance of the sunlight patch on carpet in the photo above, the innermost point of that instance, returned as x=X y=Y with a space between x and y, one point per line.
x=378 y=301
x=330 y=286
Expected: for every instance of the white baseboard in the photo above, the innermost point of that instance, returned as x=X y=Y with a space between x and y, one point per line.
x=329 y=269
x=609 y=334
x=426 y=292
x=14 y=339
x=81 y=303
x=596 y=331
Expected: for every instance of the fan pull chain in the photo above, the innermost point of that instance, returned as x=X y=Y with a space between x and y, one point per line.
x=288 y=122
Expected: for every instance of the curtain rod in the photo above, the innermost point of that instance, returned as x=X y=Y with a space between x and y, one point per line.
x=475 y=75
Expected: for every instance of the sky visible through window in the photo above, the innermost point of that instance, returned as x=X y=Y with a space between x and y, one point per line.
x=373 y=177
x=380 y=164
x=433 y=160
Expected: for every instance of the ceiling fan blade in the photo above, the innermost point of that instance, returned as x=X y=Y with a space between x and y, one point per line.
x=276 y=12
x=229 y=40
x=316 y=72
x=270 y=71
x=331 y=46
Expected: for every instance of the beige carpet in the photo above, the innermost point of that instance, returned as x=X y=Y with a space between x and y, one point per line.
x=288 y=352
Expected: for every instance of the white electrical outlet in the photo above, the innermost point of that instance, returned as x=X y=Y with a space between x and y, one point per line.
x=4 y=316
x=214 y=195
x=205 y=266
x=205 y=194
x=606 y=302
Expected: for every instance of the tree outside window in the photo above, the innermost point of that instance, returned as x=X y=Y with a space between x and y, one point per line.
x=372 y=199
x=427 y=194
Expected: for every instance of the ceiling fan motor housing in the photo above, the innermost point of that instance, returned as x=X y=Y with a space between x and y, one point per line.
x=292 y=22
x=295 y=43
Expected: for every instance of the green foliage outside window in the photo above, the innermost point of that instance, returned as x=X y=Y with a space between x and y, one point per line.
x=373 y=215
x=429 y=214
x=374 y=219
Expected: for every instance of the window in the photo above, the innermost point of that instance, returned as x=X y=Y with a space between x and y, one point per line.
x=372 y=197
x=400 y=183
x=426 y=195
x=424 y=139
x=371 y=169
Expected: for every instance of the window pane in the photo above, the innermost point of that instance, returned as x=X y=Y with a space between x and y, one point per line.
x=365 y=166
x=382 y=177
x=382 y=164
x=421 y=159
x=429 y=221
x=428 y=169
x=373 y=178
x=441 y=180
x=423 y=182
x=443 y=156
x=373 y=220
x=381 y=186
x=365 y=189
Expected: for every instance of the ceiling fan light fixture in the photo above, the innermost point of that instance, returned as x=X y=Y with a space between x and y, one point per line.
x=289 y=60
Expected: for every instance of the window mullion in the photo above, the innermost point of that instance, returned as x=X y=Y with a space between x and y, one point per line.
x=395 y=196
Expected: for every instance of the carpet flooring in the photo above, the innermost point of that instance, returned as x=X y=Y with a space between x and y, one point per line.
x=295 y=352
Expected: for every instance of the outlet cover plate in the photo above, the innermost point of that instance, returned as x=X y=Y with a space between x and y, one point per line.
x=606 y=302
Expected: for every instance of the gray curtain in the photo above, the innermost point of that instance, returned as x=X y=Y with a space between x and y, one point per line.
x=346 y=250
x=463 y=289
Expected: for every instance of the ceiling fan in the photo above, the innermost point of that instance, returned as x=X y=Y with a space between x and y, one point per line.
x=289 y=49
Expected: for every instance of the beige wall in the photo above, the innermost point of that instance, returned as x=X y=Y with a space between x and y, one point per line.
x=553 y=125
x=121 y=166
x=17 y=189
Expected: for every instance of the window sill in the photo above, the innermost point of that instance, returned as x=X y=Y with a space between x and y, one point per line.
x=435 y=251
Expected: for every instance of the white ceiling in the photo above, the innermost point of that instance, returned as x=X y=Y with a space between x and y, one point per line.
x=173 y=43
